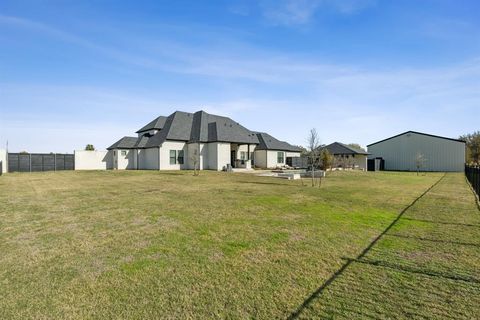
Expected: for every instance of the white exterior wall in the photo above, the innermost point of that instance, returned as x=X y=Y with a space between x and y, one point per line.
x=272 y=159
x=268 y=158
x=292 y=154
x=400 y=153
x=261 y=158
x=3 y=159
x=202 y=155
x=244 y=148
x=93 y=160
x=126 y=161
x=165 y=155
x=218 y=155
x=361 y=161
x=148 y=159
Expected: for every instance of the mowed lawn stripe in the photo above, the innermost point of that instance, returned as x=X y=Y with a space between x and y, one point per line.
x=425 y=267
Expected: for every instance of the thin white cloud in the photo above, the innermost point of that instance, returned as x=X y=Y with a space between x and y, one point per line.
x=301 y=12
x=290 y=12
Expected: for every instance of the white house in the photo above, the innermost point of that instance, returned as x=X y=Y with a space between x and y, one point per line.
x=434 y=153
x=211 y=142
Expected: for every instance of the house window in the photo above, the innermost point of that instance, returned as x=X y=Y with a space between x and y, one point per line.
x=176 y=156
x=280 y=157
x=124 y=153
x=173 y=156
x=180 y=156
x=243 y=155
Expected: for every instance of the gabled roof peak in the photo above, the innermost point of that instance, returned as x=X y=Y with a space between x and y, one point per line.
x=416 y=132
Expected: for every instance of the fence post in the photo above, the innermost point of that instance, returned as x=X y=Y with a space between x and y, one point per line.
x=30 y=161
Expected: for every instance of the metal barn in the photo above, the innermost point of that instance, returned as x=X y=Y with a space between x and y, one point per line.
x=406 y=151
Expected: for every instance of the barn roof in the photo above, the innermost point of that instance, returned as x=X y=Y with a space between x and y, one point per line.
x=416 y=132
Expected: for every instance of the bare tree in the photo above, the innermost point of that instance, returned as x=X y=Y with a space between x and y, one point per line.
x=195 y=160
x=420 y=161
x=313 y=145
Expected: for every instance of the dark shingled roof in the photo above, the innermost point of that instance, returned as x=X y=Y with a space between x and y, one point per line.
x=267 y=142
x=124 y=143
x=157 y=124
x=142 y=141
x=177 y=127
x=200 y=127
x=340 y=148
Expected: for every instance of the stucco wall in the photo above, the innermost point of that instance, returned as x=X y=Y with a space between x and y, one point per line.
x=124 y=161
x=261 y=158
x=218 y=155
x=3 y=159
x=244 y=148
x=223 y=155
x=148 y=159
x=400 y=153
x=165 y=155
x=202 y=155
x=267 y=159
x=272 y=159
x=93 y=160
x=292 y=154
x=361 y=161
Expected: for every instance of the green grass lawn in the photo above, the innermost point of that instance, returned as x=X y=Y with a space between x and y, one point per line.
x=139 y=244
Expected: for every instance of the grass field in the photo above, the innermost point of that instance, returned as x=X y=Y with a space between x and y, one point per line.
x=111 y=245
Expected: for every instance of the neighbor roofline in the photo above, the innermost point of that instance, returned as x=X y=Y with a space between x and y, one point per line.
x=421 y=133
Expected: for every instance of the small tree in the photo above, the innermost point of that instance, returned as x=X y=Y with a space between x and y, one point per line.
x=419 y=161
x=313 y=144
x=89 y=147
x=326 y=158
x=473 y=147
x=356 y=146
x=195 y=160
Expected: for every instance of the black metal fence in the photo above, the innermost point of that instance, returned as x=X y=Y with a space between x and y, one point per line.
x=31 y=162
x=473 y=176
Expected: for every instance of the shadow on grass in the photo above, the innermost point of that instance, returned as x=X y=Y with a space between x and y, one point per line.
x=430 y=273
x=444 y=222
x=317 y=293
x=436 y=240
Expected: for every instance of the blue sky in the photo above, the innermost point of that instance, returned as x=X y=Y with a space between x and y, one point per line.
x=78 y=72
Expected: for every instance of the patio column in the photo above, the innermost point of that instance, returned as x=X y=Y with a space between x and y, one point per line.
x=248 y=151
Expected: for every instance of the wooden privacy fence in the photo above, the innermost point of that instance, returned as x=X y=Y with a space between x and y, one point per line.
x=473 y=176
x=32 y=162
